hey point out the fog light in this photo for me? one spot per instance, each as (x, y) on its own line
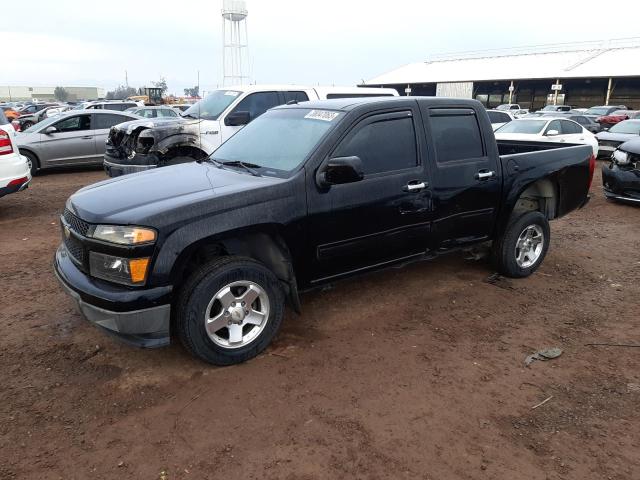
(127, 271)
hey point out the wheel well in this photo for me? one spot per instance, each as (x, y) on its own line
(184, 151)
(267, 247)
(541, 196)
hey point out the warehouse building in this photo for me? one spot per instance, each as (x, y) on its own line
(12, 93)
(579, 74)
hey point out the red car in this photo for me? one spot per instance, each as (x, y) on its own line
(608, 121)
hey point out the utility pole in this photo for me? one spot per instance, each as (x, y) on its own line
(126, 78)
(608, 91)
(198, 83)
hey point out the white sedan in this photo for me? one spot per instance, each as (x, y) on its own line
(544, 129)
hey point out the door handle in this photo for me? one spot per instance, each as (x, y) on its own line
(415, 186)
(485, 175)
(87, 137)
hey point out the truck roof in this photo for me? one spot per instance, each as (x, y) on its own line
(346, 104)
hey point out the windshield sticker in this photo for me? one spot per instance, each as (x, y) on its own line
(231, 93)
(325, 115)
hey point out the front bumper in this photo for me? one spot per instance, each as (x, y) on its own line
(621, 184)
(605, 151)
(117, 170)
(140, 317)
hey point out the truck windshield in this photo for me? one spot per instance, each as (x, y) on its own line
(211, 107)
(523, 126)
(628, 126)
(277, 142)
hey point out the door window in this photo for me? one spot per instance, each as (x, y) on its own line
(383, 146)
(570, 128)
(74, 124)
(456, 135)
(581, 120)
(295, 96)
(146, 113)
(109, 120)
(165, 112)
(554, 125)
(258, 103)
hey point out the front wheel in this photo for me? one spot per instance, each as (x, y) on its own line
(523, 245)
(229, 310)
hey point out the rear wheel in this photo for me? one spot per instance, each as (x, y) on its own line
(26, 124)
(229, 310)
(523, 245)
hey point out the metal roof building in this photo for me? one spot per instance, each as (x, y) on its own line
(586, 74)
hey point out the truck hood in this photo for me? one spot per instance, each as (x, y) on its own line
(145, 198)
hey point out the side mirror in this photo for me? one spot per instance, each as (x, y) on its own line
(50, 130)
(236, 119)
(552, 133)
(340, 170)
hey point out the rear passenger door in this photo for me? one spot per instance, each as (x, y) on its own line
(571, 132)
(466, 184)
(382, 218)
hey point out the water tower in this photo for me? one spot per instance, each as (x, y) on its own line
(235, 57)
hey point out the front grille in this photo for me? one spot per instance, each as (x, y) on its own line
(75, 249)
(76, 224)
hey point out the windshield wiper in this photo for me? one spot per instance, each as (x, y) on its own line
(185, 115)
(249, 167)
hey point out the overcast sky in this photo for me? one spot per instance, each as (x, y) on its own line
(71, 42)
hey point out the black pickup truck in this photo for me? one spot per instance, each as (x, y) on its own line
(305, 195)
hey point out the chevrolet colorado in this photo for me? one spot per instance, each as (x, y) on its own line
(303, 196)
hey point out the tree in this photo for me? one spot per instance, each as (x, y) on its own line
(192, 92)
(161, 84)
(120, 93)
(61, 94)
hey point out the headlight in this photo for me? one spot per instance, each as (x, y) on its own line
(620, 157)
(128, 271)
(124, 235)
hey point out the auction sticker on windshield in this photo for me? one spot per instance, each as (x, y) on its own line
(325, 115)
(231, 93)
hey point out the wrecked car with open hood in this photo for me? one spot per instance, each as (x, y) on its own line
(144, 144)
(621, 178)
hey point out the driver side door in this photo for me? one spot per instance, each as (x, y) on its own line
(72, 142)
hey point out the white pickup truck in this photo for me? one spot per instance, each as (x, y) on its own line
(142, 145)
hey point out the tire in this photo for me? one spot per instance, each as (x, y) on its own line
(34, 164)
(215, 292)
(513, 256)
(27, 124)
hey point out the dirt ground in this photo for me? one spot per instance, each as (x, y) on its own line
(412, 373)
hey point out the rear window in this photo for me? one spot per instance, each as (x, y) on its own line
(456, 134)
(531, 127)
(498, 117)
